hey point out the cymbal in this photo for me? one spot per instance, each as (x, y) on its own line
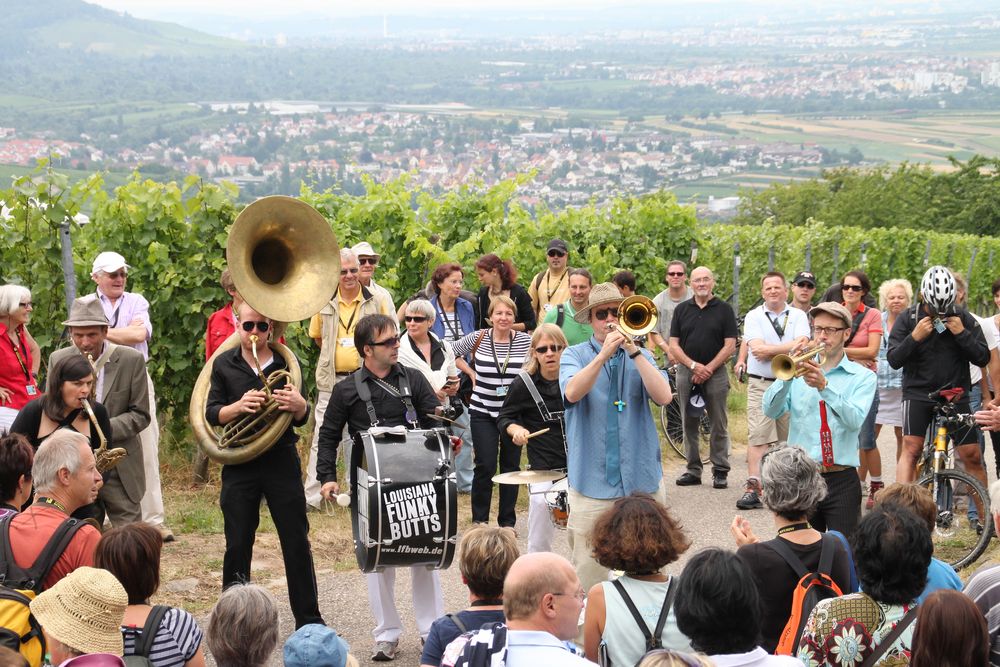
(528, 476)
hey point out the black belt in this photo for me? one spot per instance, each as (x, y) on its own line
(343, 375)
(760, 377)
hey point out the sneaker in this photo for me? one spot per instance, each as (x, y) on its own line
(874, 488)
(384, 651)
(719, 482)
(751, 496)
(688, 479)
(166, 533)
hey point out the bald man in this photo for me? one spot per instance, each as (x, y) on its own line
(703, 336)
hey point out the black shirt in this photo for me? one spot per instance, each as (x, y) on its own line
(546, 451)
(702, 332)
(29, 420)
(940, 360)
(232, 377)
(525, 312)
(347, 408)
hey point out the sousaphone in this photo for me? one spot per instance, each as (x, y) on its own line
(285, 263)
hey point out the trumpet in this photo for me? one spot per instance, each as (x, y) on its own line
(106, 458)
(636, 316)
(787, 367)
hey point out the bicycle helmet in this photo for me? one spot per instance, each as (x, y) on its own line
(938, 289)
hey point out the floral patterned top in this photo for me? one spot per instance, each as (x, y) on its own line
(843, 631)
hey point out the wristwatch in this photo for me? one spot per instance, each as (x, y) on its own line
(693, 364)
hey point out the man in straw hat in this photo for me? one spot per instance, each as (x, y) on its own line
(82, 616)
(120, 386)
(828, 405)
(614, 450)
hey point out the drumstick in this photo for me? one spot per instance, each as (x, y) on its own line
(532, 435)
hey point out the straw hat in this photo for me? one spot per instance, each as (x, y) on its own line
(603, 293)
(84, 611)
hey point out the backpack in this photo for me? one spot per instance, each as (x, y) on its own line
(486, 647)
(653, 639)
(144, 642)
(811, 588)
(19, 630)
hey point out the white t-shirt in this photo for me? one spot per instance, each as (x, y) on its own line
(757, 326)
(990, 334)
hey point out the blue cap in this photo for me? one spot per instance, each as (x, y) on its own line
(315, 645)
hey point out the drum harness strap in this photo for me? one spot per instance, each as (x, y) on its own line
(543, 409)
(403, 393)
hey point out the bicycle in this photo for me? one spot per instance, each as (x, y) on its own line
(958, 540)
(673, 431)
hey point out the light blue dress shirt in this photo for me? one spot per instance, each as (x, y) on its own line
(528, 648)
(848, 394)
(586, 425)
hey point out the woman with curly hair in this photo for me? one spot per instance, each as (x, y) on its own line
(499, 277)
(638, 536)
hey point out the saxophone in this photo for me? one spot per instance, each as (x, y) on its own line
(106, 458)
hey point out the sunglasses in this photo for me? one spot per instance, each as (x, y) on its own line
(544, 349)
(388, 342)
(368, 260)
(852, 288)
(805, 285)
(603, 313)
(415, 318)
(675, 274)
(118, 274)
(344, 272)
(556, 253)
(261, 326)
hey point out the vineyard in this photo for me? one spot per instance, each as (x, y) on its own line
(174, 234)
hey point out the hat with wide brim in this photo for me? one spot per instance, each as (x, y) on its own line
(84, 611)
(365, 249)
(603, 293)
(86, 311)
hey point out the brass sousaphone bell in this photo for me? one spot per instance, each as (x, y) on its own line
(285, 263)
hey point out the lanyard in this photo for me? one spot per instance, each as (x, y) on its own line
(792, 527)
(347, 327)
(20, 360)
(496, 360)
(780, 330)
(452, 327)
(44, 500)
(550, 292)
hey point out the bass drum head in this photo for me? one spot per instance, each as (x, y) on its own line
(404, 508)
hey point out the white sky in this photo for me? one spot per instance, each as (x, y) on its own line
(142, 8)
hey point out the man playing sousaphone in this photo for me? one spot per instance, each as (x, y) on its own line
(377, 342)
(532, 415)
(237, 389)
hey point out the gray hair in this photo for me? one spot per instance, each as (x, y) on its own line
(243, 627)
(792, 484)
(10, 298)
(888, 286)
(60, 450)
(422, 306)
(346, 254)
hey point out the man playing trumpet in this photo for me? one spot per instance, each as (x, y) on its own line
(828, 404)
(276, 474)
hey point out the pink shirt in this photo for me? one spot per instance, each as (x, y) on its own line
(871, 324)
(127, 308)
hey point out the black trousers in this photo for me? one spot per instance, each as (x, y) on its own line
(841, 509)
(276, 476)
(487, 446)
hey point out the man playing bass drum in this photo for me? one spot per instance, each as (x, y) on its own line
(377, 342)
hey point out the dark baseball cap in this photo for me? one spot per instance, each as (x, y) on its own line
(804, 277)
(557, 244)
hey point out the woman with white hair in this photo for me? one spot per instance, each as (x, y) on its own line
(894, 296)
(792, 488)
(243, 627)
(421, 349)
(19, 354)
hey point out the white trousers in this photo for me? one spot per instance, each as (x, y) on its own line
(540, 526)
(152, 500)
(428, 603)
(312, 484)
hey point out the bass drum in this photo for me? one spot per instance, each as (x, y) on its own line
(404, 509)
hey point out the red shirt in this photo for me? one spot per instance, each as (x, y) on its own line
(15, 369)
(30, 531)
(221, 326)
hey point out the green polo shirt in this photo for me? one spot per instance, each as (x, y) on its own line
(575, 332)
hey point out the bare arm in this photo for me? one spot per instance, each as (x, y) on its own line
(869, 353)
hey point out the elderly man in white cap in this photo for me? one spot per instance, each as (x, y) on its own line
(368, 259)
(607, 383)
(129, 324)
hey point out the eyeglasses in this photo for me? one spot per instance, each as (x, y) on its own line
(805, 285)
(261, 326)
(544, 349)
(852, 288)
(25, 304)
(388, 342)
(415, 318)
(368, 260)
(556, 253)
(580, 595)
(118, 274)
(675, 274)
(344, 272)
(829, 331)
(603, 313)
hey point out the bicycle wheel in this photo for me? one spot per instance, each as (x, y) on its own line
(958, 540)
(670, 422)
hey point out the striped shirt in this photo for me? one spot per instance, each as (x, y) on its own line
(495, 364)
(177, 639)
(984, 589)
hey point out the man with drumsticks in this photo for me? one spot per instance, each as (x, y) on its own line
(377, 342)
(614, 450)
(275, 475)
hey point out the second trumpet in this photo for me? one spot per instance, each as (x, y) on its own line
(787, 367)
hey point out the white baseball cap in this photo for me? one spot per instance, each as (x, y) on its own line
(109, 262)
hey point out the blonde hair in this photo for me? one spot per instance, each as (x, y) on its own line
(485, 554)
(888, 286)
(662, 657)
(549, 330)
(502, 299)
